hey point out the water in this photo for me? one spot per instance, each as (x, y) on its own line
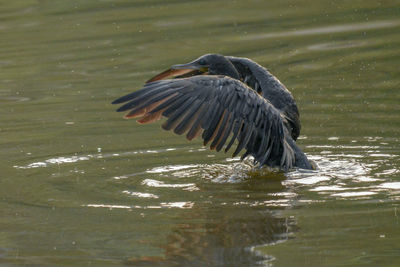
(81, 186)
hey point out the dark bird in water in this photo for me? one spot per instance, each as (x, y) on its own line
(220, 97)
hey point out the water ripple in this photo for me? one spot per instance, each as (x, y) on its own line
(139, 194)
(346, 177)
(76, 158)
(180, 205)
(339, 175)
(156, 183)
(391, 185)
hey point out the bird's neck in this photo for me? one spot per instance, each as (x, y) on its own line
(226, 68)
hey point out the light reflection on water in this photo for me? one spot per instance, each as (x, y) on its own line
(336, 172)
(75, 158)
(180, 205)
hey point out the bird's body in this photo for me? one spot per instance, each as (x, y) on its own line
(221, 97)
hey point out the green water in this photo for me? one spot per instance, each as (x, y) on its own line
(81, 186)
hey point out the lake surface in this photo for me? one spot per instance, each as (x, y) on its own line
(79, 185)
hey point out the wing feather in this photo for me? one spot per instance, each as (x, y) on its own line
(210, 133)
(227, 131)
(237, 126)
(244, 138)
(196, 129)
(219, 107)
(266, 84)
(187, 121)
(221, 130)
(178, 114)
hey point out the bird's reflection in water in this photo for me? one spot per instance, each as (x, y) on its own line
(227, 240)
(225, 233)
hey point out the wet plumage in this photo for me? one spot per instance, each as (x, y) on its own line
(224, 99)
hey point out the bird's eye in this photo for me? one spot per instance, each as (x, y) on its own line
(202, 62)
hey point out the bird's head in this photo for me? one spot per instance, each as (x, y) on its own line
(213, 64)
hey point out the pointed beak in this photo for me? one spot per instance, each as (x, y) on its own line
(192, 65)
(173, 73)
(180, 71)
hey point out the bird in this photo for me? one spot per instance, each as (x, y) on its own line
(224, 98)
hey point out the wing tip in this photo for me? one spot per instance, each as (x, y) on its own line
(127, 117)
(117, 101)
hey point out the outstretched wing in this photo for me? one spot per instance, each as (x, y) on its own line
(219, 107)
(266, 84)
